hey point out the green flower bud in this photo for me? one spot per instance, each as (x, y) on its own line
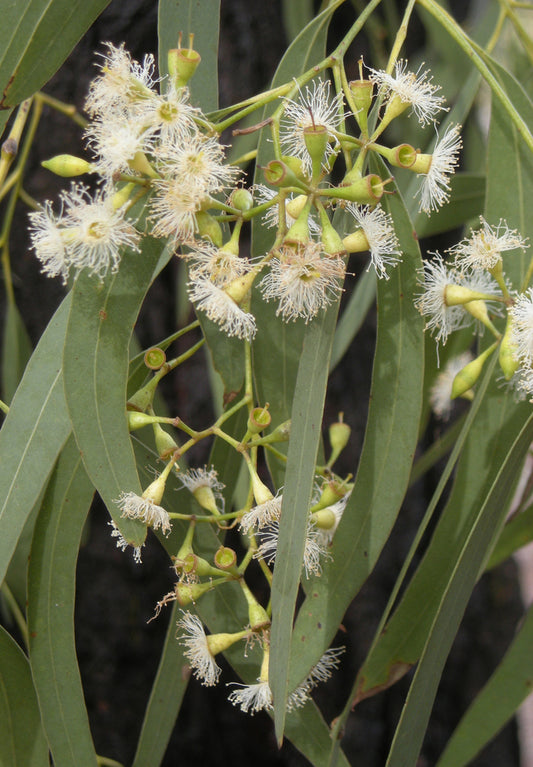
(316, 140)
(241, 199)
(257, 615)
(191, 592)
(362, 92)
(509, 362)
(339, 434)
(467, 377)
(209, 228)
(67, 165)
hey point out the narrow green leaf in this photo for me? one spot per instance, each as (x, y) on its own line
(415, 715)
(95, 363)
(490, 438)
(36, 36)
(51, 596)
(296, 15)
(201, 19)
(22, 741)
(308, 405)
(385, 462)
(505, 691)
(516, 533)
(165, 700)
(16, 351)
(32, 435)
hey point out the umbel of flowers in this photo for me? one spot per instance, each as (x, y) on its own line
(149, 142)
(470, 288)
(152, 148)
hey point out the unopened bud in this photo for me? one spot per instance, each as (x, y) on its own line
(508, 358)
(191, 592)
(67, 165)
(209, 228)
(339, 434)
(316, 140)
(362, 92)
(467, 377)
(241, 199)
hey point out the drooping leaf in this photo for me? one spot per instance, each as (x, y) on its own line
(51, 595)
(415, 715)
(505, 691)
(516, 533)
(95, 363)
(385, 462)
(32, 435)
(36, 36)
(306, 419)
(22, 740)
(165, 700)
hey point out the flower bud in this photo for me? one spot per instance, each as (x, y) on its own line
(191, 592)
(467, 377)
(362, 92)
(67, 165)
(295, 207)
(209, 228)
(316, 140)
(331, 239)
(217, 643)
(509, 362)
(241, 199)
(122, 196)
(324, 519)
(257, 615)
(137, 420)
(261, 492)
(164, 443)
(455, 295)
(356, 242)
(339, 434)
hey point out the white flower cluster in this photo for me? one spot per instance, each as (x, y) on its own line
(470, 288)
(202, 648)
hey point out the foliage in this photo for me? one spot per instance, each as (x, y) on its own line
(336, 170)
